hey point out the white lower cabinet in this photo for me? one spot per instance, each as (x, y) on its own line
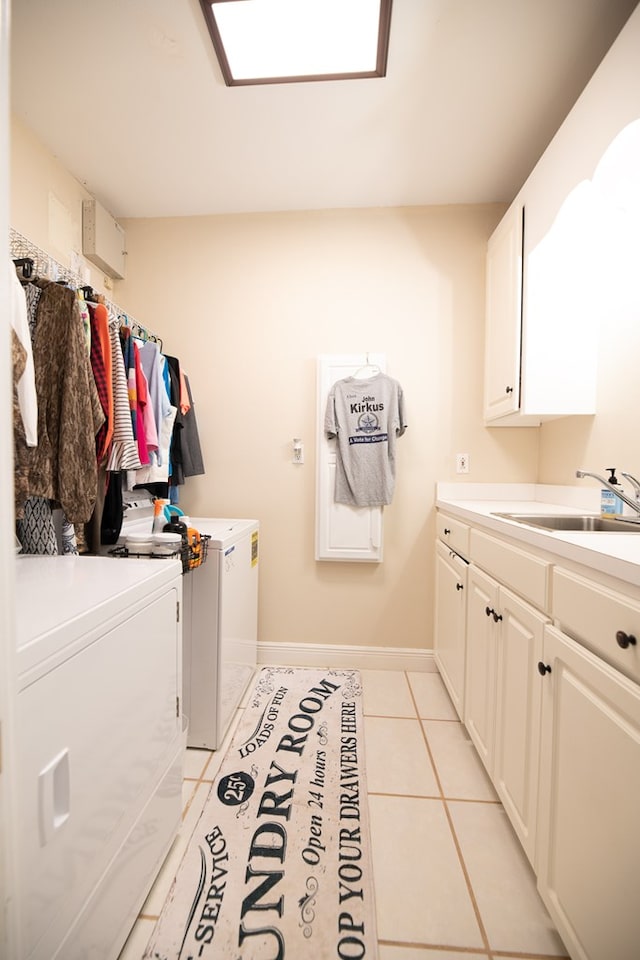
(589, 812)
(450, 621)
(543, 664)
(502, 702)
(518, 716)
(481, 664)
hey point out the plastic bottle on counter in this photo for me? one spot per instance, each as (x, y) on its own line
(176, 525)
(159, 518)
(609, 502)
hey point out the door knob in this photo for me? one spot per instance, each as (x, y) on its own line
(543, 668)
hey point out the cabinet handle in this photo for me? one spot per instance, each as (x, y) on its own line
(543, 668)
(508, 390)
(490, 612)
(459, 586)
(446, 531)
(625, 640)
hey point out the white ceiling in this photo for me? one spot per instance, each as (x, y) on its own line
(129, 96)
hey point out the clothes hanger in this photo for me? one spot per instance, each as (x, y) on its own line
(372, 370)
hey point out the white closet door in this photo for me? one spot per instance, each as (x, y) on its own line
(342, 532)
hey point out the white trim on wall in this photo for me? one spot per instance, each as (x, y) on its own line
(345, 657)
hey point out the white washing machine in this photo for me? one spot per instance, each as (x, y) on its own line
(220, 626)
(100, 747)
(219, 619)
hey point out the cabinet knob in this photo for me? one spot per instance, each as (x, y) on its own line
(446, 531)
(459, 586)
(543, 668)
(508, 390)
(625, 640)
(490, 612)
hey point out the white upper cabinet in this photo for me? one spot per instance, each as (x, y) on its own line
(578, 245)
(503, 317)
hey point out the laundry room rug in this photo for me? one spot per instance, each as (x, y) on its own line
(279, 864)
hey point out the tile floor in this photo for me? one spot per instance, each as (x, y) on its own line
(451, 880)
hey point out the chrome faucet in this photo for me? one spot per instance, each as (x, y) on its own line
(634, 483)
(615, 488)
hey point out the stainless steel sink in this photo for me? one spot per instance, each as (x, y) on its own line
(588, 523)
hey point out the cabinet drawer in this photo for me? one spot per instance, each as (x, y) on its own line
(453, 532)
(594, 615)
(526, 575)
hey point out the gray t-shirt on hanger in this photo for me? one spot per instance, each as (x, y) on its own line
(366, 417)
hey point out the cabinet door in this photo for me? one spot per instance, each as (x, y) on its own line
(589, 838)
(518, 708)
(481, 663)
(450, 622)
(503, 332)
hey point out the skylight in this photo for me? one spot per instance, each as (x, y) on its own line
(287, 41)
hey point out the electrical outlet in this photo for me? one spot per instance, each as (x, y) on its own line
(462, 463)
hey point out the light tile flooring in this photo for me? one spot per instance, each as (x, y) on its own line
(451, 880)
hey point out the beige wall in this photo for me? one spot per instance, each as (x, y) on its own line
(247, 303)
(611, 438)
(46, 202)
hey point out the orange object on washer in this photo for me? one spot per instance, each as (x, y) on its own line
(195, 547)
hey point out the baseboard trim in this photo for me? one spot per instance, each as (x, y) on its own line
(354, 657)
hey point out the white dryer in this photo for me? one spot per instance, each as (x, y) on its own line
(220, 627)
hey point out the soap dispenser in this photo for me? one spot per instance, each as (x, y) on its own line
(609, 502)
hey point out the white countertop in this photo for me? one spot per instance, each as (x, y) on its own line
(614, 554)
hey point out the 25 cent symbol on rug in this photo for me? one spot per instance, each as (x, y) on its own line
(235, 788)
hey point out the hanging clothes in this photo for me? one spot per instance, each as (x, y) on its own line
(36, 528)
(112, 510)
(123, 454)
(147, 431)
(153, 364)
(101, 364)
(126, 344)
(19, 363)
(366, 417)
(26, 385)
(100, 375)
(62, 467)
(176, 471)
(192, 461)
(125, 401)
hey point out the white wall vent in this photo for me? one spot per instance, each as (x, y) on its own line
(103, 239)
